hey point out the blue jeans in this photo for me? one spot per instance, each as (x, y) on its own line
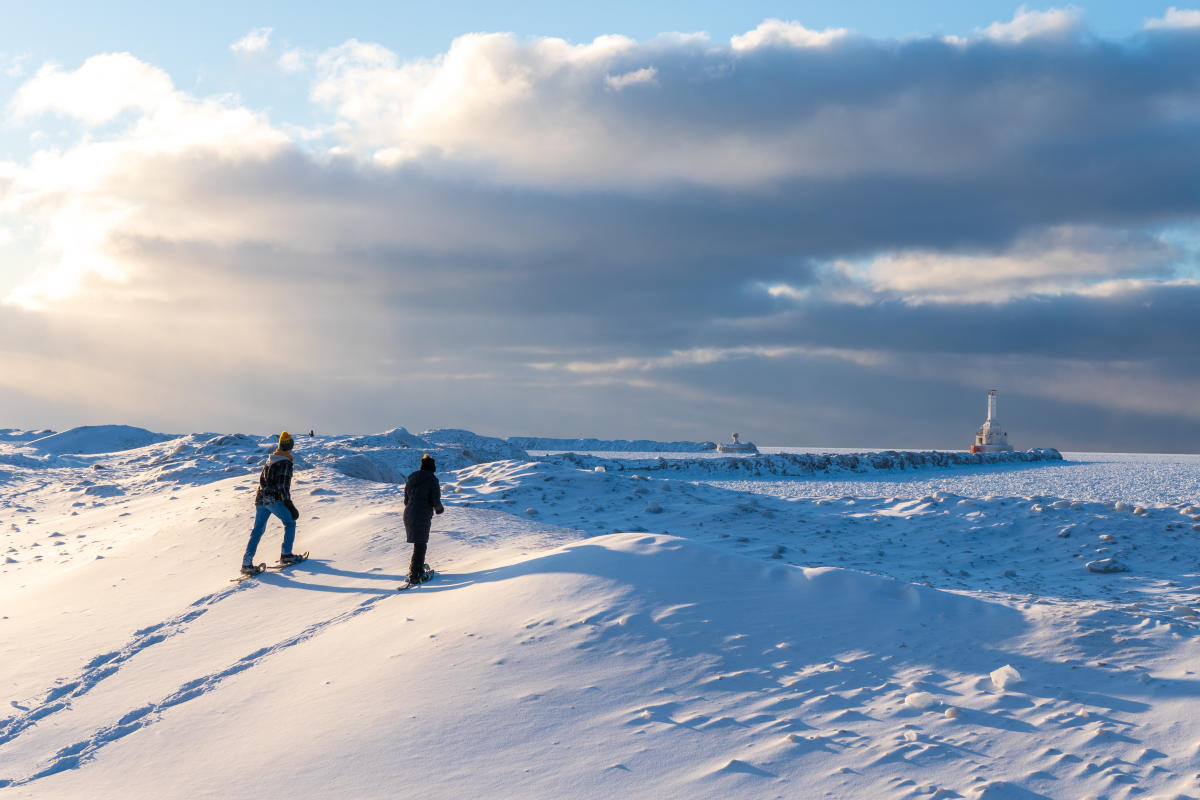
(261, 515)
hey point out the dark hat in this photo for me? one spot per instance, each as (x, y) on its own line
(427, 462)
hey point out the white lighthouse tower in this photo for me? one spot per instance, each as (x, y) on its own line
(990, 438)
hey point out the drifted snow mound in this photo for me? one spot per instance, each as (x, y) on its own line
(203, 457)
(380, 467)
(396, 437)
(390, 457)
(802, 464)
(480, 449)
(611, 445)
(94, 439)
(384, 465)
(859, 609)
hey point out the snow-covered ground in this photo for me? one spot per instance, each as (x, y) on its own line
(890, 634)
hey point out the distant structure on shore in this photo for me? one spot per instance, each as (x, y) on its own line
(990, 438)
(736, 446)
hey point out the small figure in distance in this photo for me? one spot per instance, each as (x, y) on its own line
(422, 499)
(274, 497)
(311, 434)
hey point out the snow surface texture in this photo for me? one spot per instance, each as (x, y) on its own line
(802, 464)
(594, 633)
(610, 445)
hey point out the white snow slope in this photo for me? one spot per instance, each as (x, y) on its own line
(589, 634)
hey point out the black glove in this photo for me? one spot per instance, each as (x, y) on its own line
(439, 508)
(292, 508)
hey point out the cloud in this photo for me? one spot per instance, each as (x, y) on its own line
(1056, 23)
(777, 33)
(294, 60)
(104, 87)
(1049, 261)
(1175, 19)
(88, 197)
(542, 113)
(713, 355)
(688, 232)
(255, 42)
(618, 82)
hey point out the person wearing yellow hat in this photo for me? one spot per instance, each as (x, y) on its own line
(274, 497)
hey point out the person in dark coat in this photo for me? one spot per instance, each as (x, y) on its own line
(274, 497)
(422, 499)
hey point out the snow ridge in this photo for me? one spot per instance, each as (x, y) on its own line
(806, 463)
(90, 439)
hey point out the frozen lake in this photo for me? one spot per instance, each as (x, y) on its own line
(1141, 478)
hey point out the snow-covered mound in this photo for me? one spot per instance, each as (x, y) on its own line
(146, 458)
(391, 457)
(801, 464)
(473, 447)
(610, 445)
(396, 437)
(93, 439)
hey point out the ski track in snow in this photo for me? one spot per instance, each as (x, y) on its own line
(77, 754)
(106, 665)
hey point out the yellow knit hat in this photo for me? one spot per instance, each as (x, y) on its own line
(285, 441)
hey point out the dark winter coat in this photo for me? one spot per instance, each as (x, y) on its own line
(422, 498)
(275, 482)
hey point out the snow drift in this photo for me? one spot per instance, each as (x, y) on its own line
(92, 439)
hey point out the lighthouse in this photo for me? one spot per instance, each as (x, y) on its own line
(990, 438)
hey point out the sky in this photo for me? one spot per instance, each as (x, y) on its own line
(821, 224)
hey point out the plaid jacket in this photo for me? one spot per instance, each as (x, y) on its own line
(275, 482)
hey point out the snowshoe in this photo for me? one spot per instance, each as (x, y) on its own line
(249, 571)
(288, 559)
(416, 580)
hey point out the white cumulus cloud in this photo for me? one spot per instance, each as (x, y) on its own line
(255, 42)
(101, 89)
(1174, 19)
(779, 33)
(1027, 24)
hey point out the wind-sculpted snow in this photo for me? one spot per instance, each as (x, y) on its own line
(396, 437)
(92, 439)
(610, 445)
(382, 460)
(201, 458)
(479, 449)
(801, 464)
